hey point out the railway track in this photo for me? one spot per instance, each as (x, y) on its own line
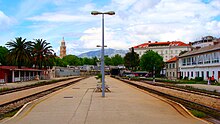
(211, 112)
(31, 86)
(183, 88)
(15, 104)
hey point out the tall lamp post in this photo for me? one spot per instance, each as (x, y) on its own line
(102, 51)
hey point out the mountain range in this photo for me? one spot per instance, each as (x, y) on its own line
(110, 52)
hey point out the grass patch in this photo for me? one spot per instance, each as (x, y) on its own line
(4, 89)
(198, 114)
(9, 114)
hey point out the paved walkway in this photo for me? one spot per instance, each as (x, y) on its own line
(79, 104)
(21, 84)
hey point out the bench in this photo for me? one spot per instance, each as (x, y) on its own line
(99, 88)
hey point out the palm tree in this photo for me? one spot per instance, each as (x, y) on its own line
(19, 51)
(42, 53)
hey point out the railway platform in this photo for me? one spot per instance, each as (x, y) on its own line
(80, 104)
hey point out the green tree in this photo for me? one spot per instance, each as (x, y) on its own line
(87, 61)
(3, 54)
(117, 60)
(94, 60)
(72, 60)
(42, 53)
(131, 60)
(151, 59)
(108, 60)
(19, 51)
(59, 62)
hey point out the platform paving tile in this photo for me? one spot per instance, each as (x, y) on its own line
(79, 104)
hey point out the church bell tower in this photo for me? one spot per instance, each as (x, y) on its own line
(62, 49)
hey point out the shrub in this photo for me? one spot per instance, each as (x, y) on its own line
(99, 76)
(199, 79)
(198, 114)
(186, 78)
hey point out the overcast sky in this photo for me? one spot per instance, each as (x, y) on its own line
(135, 22)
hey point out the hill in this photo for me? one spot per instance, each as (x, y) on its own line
(110, 52)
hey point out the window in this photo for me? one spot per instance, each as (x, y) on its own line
(173, 74)
(183, 62)
(200, 59)
(176, 51)
(207, 74)
(188, 61)
(166, 51)
(192, 74)
(171, 51)
(173, 65)
(216, 57)
(194, 59)
(207, 58)
(161, 52)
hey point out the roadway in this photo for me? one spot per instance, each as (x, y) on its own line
(79, 104)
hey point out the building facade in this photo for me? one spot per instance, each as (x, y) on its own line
(15, 74)
(167, 49)
(62, 49)
(205, 41)
(172, 68)
(203, 62)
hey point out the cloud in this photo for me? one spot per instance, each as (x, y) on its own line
(60, 17)
(156, 20)
(5, 21)
(135, 22)
(92, 38)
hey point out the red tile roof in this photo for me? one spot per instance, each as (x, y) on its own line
(168, 43)
(16, 68)
(174, 59)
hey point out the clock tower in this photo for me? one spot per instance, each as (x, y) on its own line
(62, 49)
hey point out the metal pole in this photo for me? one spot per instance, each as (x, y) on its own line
(154, 74)
(102, 60)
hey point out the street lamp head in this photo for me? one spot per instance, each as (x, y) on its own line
(95, 12)
(110, 13)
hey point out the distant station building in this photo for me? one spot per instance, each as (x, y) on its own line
(62, 48)
(15, 74)
(167, 49)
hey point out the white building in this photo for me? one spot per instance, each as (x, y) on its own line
(205, 41)
(203, 62)
(167, 49)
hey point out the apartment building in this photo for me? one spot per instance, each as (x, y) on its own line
(172, 68)
(167, 49)
(203, 62)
